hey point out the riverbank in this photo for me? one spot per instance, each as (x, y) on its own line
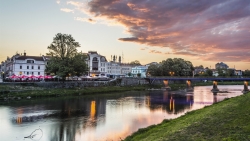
(13, 92)
(22, 91)
(226, 120)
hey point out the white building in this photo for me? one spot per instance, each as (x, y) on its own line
(126, 69)
(24, 65)
(139, 70)
(96, 63)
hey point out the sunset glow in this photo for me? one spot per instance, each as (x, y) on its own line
(204, 32)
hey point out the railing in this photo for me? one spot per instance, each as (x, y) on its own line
(198, 77)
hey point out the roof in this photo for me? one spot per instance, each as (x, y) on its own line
(37, 58)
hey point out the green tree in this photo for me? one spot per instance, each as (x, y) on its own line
(246, 73)
(209, 72)
(230, 72)
(129, 74)
(65, 60)
(153, 70)
(172, 67)
(135, 63)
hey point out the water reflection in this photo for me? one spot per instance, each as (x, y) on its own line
(104, 117)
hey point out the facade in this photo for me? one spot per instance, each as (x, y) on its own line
(126, 69)
(221, 65)
(97, 64)
(238, 72)
(139, 69)
(24, 65)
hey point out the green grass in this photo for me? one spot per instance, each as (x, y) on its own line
(37, 92)
(227, 121)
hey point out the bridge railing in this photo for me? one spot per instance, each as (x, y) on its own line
(198, 77)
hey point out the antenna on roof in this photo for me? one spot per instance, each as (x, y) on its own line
(122, 57)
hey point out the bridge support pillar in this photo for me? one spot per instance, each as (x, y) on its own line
(245, 87)
(189, 86)
(215, 89)
(166, 85)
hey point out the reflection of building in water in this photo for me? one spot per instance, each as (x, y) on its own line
(92, 110)
(148, 101)
(19, 116)
(170, 102)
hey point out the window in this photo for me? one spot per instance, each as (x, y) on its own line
(39, 67)
(27, 73)
(20, 67)
(30, 61)
(32, 73)
(32, 67)
(27, 67)
(38, 73)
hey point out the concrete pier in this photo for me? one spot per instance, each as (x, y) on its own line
(189, 85)
(246, 90)
(215, 88)
(166, 85)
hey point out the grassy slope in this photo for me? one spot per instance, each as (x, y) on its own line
(226, 120)
(41, 92)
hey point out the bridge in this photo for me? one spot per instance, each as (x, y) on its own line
(190, 79)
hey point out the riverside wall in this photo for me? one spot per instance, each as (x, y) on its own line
(82, 84)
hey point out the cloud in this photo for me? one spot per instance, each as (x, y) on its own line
(85, 20)
(202, 28)
(58, 2)
(155, 51)
(67, 10)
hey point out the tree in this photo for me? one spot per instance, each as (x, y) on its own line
(153, 70)
(247, 73)
(129, 74)
(65, 60)
(209, 72)
(172, 67)
(135, 63)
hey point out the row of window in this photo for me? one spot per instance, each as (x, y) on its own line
(138, 71)
(113, 67)
(28, 73)
(28, 67)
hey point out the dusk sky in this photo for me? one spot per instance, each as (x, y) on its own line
(202, 31)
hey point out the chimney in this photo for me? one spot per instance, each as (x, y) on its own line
(24, 54)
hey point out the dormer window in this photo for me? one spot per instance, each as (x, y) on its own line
(30, 61)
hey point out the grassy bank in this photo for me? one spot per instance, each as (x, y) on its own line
(227, 120)
(13, 92)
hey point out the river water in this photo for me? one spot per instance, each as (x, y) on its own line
(103, 117)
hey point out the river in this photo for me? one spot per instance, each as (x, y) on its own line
(103, 117)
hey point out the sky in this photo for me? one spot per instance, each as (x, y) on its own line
(204, 32)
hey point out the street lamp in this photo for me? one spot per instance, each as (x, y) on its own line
(171, 73)
(2, 75)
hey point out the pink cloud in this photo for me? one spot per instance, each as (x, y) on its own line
(207, 29)
(155, 51)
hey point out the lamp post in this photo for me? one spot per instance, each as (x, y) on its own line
(171, 73)
(2, 75)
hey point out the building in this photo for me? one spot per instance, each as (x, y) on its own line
(97, 64)
(221, 65)
(24, 65)
(238, 72)
(126, 69)
(139, 70)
